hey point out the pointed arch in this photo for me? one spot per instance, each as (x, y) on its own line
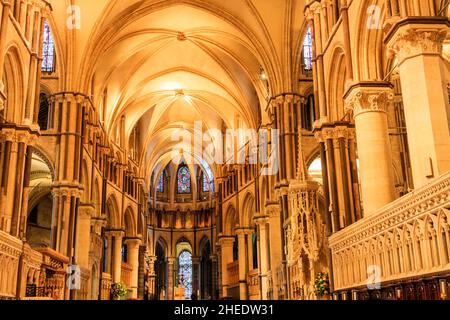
(14, 86)
(130, 223)
(113, 213)
(336, 85)
(248, 210)
(231, 220)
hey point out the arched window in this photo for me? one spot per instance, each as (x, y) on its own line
(255, 250)
(185, 272)
(206, 187)
(209, 176)
(315, 170)
(48, 50)
(184, 180)
(160, 187)
(309, 114)
(235, 249)
(307, 53)
(105, 254)
(43, 112)
(124, 253)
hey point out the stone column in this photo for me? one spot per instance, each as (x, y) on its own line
(85, 213)
(151, 277)
(369, 102)
(9, 172)
(170, 278)
(109, 253)
(243, 268)
(117, 256)
(418, 46)
(64, 221)
(263, 242)
(133, 260)
(313, 14)
(226, 249)
(249, 234)
(214, 277)
(196, 277)
(273, 211)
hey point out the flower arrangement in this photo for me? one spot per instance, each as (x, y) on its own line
(322, 285)
(119, 290)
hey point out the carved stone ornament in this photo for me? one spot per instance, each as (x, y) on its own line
(366, 99)
(413, 40)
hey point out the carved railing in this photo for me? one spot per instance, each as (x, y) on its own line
(105, 287)
(183, 219)
(253, 285)
(233, 273)
(125, 276)
(281, 282)
(10, 251)
(409, 238)
(55, 266)
(83, 292)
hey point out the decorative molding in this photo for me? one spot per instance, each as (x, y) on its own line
(406, 209)
(369, 97)
(412, 37)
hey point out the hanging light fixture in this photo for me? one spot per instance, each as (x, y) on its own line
(262, 74)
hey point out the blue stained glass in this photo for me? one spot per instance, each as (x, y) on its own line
(185, 272)
(210, 176)
(205, 183)
(48, 50)
(308, 51)
(184, 180)
(160, 187)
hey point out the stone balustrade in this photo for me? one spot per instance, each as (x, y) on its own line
(127, 269)
(183, 220)
(253, 285)
(233, 273)
(405, 240)
(105, 293)
(10, 251)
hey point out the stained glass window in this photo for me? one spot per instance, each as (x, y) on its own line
(308, 51)
(255, 250)
(48, 50)
(205, 183)
(124, 253)
(185, 272)
(105, 252)
(184, 180)
(209, 176)
(160, 187)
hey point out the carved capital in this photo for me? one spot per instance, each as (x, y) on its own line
(261, 220)
(369, 98)
(315, 7)
(115, 233)
(242, 232)
(86, 211)
(414, 39)
(273, 210)
(225, 241)
(133, 243)
(279, 101)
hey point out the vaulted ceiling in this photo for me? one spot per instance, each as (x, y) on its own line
(162, 65)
